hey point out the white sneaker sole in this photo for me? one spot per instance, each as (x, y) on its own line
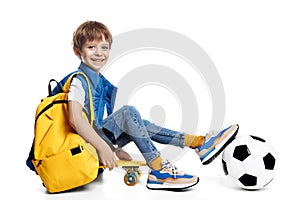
(172, 186)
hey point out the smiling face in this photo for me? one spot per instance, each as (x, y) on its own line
(94, 54)
(91, 44)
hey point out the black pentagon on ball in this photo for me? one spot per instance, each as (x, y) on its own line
(224, 167)
(241, 152)
(269, 161)
(248, 180)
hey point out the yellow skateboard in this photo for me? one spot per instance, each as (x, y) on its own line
(132, 168)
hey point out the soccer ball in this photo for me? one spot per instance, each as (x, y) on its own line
(249, 161)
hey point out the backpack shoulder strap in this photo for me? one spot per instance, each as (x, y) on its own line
(91, 105)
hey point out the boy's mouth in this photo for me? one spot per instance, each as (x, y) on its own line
(97, 60)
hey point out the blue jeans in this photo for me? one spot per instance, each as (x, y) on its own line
(126, 125)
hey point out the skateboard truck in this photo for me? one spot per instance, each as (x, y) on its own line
(132, 168)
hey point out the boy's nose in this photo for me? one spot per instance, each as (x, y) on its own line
(98, 51)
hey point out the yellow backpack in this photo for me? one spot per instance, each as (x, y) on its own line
(62, 158)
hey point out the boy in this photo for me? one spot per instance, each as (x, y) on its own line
(91, 44)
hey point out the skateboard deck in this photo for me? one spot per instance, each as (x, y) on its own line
(132, 169)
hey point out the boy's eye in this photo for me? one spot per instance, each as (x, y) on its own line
(91, 47)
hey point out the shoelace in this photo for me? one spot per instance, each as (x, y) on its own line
(174, 169)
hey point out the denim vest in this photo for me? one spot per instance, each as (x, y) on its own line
(103, 92)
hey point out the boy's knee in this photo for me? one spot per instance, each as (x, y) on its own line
(130, 109)
(131, 112)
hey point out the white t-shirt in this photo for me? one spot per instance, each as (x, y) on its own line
(76, 92)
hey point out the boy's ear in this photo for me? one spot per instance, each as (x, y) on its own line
(77, 53)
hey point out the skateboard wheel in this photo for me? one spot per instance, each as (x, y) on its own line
(130, 179)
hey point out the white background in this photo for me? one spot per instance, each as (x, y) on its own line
(255, 46)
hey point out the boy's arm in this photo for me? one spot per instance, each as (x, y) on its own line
(85, 130)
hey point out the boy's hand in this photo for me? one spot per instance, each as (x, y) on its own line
(122, 155)
(107, 156)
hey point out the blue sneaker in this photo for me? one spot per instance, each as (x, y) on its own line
(170, 178)
(214, 144)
